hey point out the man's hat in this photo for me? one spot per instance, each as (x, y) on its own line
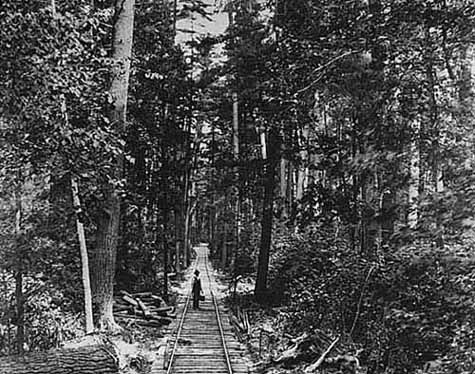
(197, 272)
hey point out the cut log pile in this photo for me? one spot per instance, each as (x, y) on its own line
(143, 309)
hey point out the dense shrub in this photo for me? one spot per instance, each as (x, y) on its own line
(405, 306)
(49, 318)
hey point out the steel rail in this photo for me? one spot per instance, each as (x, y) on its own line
(218, 317)
(180, 327)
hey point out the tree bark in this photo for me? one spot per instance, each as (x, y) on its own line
(414, 169)
(19, 296)
(165, 253)
(283, 178)
(108, 224)
(284, 185)
(20, 308)
(178, 221)
(224, 254)
(85, 360)
(186, 203)
(303, 167)
(187, 234)
(262, 138)
(387, 216)
(84, 257)
(267, 219)
(465, 84)
(237, 193)
(236, 159)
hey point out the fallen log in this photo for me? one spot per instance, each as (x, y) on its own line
(130, 300)
(140, 322)
(143, 308)
(163, 311)
(320, 360)
(158, 319)
(122, 308)
(303, 348)
(147, 300)
(125, 293)
(130, 312)
(142, 294)
(162, 320)
(84, 360)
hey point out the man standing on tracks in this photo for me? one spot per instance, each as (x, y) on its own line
(196, 290)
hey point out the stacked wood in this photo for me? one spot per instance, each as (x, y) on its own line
(142, 309)
(84, 360)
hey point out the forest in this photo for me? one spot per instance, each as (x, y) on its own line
(323, 149)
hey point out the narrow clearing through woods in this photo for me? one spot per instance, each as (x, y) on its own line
(202, 342)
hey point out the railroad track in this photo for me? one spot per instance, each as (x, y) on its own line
(203, 342)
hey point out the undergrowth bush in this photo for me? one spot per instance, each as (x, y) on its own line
(49, 319)
(404, 306)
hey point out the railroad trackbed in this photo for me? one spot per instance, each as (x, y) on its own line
(202, 341)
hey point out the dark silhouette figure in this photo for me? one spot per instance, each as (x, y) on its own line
(196, 290)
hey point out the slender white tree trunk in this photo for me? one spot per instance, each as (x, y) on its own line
(84, 257)
(262, 136)
(415, 173)
(303, 167)
(283, 178)
(82, 240)
(19, 295)
(236, 169)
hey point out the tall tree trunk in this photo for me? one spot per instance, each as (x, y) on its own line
(212, 224)
(82, 240)
(387, 214)
(108, 224)
(283, 184)
(283, 180)
(84, 257)
(237, 220)
(303, 168)
(178, 222)
(236, 152)
(224, 253)
(465, 83)
(415, 175)
(186, 218)
(267, 220)
(436, 167)
(290, 188)
(214, 212)
(165, 252)
(262, 138)
(187, 234)
(190, 191)
(19, 296)
(20, 308)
